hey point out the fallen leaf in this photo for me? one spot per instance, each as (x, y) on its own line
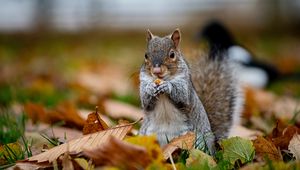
(284, 108)
(90, 141)
(61, 133)
(186, 141)
(117, 110)
(253, 166)
(241, 131)
(120, 154)
(259, 101)
(11, 150)
(67, 162)
(237, 148)
(151, 145)
(197, 156)
(105, 79)
(277, 131)
(65, 111)
(36, 112)
(266, 149)
(30, 166)
(294, 146)
(84, 114)
(94, 123)
(261, 124)
(153, 150)
(274, 165)
(287, 134)
(251, 105)
(84, 164)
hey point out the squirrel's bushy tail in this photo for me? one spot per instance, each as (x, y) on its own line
(219, 91)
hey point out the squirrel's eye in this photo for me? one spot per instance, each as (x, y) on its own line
(146, 56)
(172, 55)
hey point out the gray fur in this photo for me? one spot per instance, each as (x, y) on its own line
(218, 89)
(174, 108)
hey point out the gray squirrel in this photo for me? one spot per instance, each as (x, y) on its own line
(175, 100)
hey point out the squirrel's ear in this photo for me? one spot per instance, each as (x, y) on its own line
(149, 35)
(176, 37)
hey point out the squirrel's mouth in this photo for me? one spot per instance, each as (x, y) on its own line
(160, 76)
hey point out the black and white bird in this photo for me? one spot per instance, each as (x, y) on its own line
(249, 70)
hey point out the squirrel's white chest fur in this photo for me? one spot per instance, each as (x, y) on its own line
(166, 121)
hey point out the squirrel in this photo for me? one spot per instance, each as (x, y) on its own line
(176, 99)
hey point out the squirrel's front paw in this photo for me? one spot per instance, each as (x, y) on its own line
(151, 89)
(164, 87)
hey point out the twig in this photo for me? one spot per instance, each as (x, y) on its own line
(172, 161)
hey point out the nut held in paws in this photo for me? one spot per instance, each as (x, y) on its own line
(158, 81)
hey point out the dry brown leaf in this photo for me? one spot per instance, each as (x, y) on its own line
(265, 148)
(117, 110)
(67, 162)
(30, 166)
(106, 78)
(260, 123)
(36, 112)
(90, 141)
(251, 106)
(65, 111)
(294, 146)
(260, 101)
(284, 108)
(84, 114)
(287, 134)
(277, 131)
(58, 131)
(69, 114)
(120, 154)
(256, 101)
(186, 141)
(238, 130)
(94, 123)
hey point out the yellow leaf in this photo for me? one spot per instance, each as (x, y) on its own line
(84, 164)
(197, 156)
(151, 145)
(10, 150)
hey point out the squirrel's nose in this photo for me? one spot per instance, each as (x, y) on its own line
(156, 70)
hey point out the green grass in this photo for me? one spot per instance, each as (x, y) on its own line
(12, 126)
(46, 95)
(13, 145)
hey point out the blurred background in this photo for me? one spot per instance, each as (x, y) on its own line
(86, 51)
